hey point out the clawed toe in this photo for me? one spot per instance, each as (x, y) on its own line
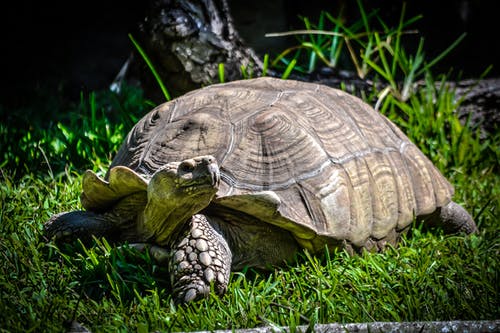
(191, 292)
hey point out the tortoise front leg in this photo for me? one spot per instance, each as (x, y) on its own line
(201, 257)
(118, 223)
(69, 226)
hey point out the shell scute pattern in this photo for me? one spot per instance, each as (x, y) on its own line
(340, 169)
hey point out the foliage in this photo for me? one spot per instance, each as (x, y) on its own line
(88, 132)
(428, 277)
(369, 46)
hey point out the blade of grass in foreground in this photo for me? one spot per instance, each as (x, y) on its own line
(151, 67)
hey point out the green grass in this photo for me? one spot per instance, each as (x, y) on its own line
(85, 133)
(368, 46)
(429, 276)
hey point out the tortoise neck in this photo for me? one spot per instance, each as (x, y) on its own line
(162, 223)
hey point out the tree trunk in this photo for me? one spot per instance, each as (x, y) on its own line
(187, 42)
(481, 102)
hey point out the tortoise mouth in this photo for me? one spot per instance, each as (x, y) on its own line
(196, 190)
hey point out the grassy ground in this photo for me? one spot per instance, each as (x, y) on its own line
(429, 276)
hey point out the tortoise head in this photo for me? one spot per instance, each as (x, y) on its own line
(177, 191)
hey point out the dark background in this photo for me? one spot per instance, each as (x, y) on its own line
(66, 47)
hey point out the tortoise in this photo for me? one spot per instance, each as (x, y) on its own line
(248, 173)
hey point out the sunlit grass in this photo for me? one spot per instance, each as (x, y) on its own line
(428, 277)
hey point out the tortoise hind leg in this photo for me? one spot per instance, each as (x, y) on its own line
(200, 259)
(453, 218)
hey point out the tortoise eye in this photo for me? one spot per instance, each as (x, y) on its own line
(186, 166)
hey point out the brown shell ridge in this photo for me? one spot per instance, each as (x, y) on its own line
(445, 188)
(231, 145)
(352, 228)
(384, 195)
(145, 164)
(234, 135)
(136, 145)
(442, 190)
(405, 192)
(314, 213)
(232, 182)
(305, 125)
(422, 184)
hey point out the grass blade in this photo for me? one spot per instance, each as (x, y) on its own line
(443, 54)
(151, 67)
(289, 69)
(221, 73)
(265, 64)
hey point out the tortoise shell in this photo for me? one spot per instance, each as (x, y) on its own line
(342, 171)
